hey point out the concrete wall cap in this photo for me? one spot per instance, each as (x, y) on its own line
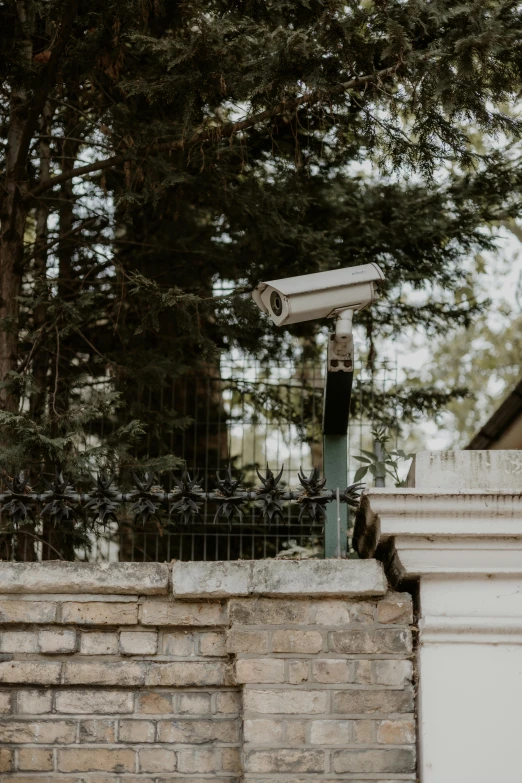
(484, 470)
(278, 578)
(93, 578)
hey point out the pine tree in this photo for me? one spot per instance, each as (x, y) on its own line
(150, 151)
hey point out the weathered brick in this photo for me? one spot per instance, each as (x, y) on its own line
(212, 644)
(330, 670)
(85, 702)
(285, 702)
(157, 760)
(298, 672)
(93, 643)
(135, 643)
(260, 670)
(268, 611)
(6, 760)
(374, 761)
(263, 731)
(123, 673)
(35, 759)
(155, 703)
(186, 673)
(394, 673)
(395, 608)
(283, 760)
(100, 613)
(96, 759)
(176, 778)
(197, 731)
(364, 731)
(352, 642)
(101, 731)
(195, 703)
(291, 723)
(363, 672)
(396, 732)
(137, 731)
(296, 731)
(180, 643)
(34, 702)
(231, 760)
(228, 702)
(390, 640)
(182, 613)
(356, 702)
(28, 612)
(198, 760)
(362, 612)
(247, 641)
(18, 642)
(331, 732)
(30, 672)
(42, 732)
(332, 612)
(5, 702)
(38, 778)
(58, 641)
(295, 641)
(380, 640)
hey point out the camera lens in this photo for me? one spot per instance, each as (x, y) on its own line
(276, 304)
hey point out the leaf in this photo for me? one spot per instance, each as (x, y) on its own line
(360, 473)
(371, 454)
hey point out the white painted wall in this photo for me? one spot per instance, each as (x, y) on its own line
(471, 713)
(458, 529)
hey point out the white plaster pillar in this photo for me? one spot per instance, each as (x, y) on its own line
(457, 528)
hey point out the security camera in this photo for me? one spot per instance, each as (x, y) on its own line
(320, 295)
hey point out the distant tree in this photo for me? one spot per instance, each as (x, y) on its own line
(485, 359)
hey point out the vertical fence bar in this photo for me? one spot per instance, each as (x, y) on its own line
(336, 470)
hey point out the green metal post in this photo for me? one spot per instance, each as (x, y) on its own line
(335, 462)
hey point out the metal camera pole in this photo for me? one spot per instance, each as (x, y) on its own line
(337, 395)
(336, 293)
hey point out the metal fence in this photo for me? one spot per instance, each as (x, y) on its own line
(76, 514)
(241, 414)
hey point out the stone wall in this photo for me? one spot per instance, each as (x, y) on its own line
(256, 672)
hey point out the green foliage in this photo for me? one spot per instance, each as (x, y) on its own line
(381, 462)
(485, 358)
(227, 143)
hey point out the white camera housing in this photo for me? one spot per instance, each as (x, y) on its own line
(320, 295)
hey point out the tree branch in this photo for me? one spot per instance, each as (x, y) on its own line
(215, 133)
(46, 85)
(49, 245)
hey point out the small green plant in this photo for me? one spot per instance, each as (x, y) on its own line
(385, 463)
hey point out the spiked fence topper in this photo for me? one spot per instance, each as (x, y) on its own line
(270, 495)
(189, 501)
(62, 503)
(103, 500)
(61, 506)
(233, 497)
(313, 502)
(147, 499)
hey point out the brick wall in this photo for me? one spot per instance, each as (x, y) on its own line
(286, 672)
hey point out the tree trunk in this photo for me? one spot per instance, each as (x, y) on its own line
(62, 540)
(41, 357)
(13, 219)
